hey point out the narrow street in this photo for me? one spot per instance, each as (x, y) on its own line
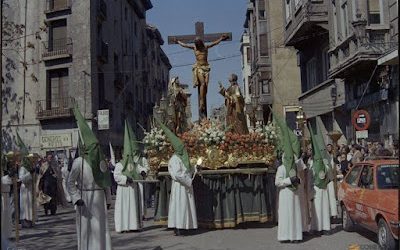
(58, 232)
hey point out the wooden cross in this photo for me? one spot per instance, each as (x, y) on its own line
(199, 28)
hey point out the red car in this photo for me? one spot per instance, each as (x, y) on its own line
(369, 196)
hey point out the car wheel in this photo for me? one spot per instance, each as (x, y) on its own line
(385, 237)
(347, 222)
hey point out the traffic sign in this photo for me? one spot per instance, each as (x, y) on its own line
(361, 120)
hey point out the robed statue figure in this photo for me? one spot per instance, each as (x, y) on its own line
(234, 102)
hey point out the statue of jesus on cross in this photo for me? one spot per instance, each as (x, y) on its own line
(201, 68)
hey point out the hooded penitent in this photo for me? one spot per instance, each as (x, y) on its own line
(289, 144)
(131, 153)
(91, 152)
(320, 176)
(177, 144)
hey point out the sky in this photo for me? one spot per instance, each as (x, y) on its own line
(177, 17)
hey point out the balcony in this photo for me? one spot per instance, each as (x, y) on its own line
(101, 10)
(57, 5)
(358, 54)
(102, 51)
(308, 17)
(56, 49)
(53, 109)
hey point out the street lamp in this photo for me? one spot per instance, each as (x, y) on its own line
(301, 121)
(254, 111)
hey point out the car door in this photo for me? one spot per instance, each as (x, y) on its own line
(365, 204)
(351, 181)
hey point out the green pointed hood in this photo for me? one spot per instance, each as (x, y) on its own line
(91, 151)
(320, 174)
(26, 163)
(289, 144)
(130, 150)
(321, 143)
(177, 144)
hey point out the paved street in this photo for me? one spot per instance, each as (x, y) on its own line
(58, 232)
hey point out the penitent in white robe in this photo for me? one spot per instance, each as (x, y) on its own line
(331, 193)
(182, 209)
(65, 174)
(6, 225)
(290, 224)
(25, 199)
(91, 218)
(144, 166)
(128, 203)
(321, 216)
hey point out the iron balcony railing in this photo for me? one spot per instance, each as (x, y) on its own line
(54, 108)
(57, 47)
(57, 5)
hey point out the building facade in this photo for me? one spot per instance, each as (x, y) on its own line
(246, 69)
(339, 43)
(361, 34)
(274, 77)
(66, 56)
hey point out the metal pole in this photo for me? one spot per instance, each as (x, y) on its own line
(1, 95)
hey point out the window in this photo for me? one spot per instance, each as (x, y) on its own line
(366, 180)
(265, 87)
(345, 19)
(261, 9)
(374, 12)
(249, 82)
(58, 35)
(352, 177)
(57, 88)
(311, 69)
(248, 54)
(388, 176)
(288, 10)
(335, 23)
(263, 45)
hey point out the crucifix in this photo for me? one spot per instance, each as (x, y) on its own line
(201, 68)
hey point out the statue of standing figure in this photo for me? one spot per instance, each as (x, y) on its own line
(178, 99)
(234, 102)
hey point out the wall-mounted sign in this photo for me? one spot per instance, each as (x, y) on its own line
(56, 141)
(361, 120)
(362, 134)
(103, 119)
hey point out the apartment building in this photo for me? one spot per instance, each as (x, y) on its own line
(91, 53)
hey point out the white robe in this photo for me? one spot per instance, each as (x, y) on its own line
(321, 214)
(331, 194)
(290, 224)
(6, 222)
(143, 167)
(182, 209)
(91, 218)
(65, 174)
(128, 203)
(25, 199)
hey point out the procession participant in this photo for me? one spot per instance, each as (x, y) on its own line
(321, 212)
(290, 222)
(47, 184)
(6, 221)
(65, 174)
(182, 209)
(92, 175)
(128, 202)
(25, 199)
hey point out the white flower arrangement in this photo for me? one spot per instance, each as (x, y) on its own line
(214, 135)
(269, 132)
(155, 139)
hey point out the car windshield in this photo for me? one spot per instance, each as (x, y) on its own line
(388, 176)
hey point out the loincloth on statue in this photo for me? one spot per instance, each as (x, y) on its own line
(204, 70)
